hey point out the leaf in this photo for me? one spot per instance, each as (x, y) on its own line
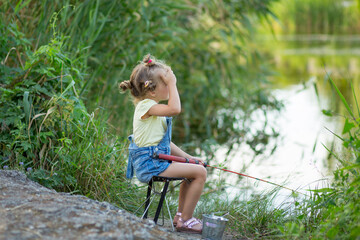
(21, 5)
(316, 89)
(36, 116)
(64, 58)
(350, 167)
(333, 231)
(71, 84)
(41, 153)
(354, 95)
(348, 126)
(26, 145)
(43, 90)
(322, 190)
(355, 232)
(342, 139)
(27, 105)
(49, 111)
(327, 112)
(342, 98)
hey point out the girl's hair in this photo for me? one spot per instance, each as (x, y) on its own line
(143, 77)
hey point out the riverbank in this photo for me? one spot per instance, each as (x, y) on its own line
(30, 211)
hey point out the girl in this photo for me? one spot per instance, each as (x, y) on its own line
(150, 82)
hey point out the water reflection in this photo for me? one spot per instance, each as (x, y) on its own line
(300, 160)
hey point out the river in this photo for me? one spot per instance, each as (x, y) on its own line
(300, 160)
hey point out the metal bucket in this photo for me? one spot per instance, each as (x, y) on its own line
(213, 227)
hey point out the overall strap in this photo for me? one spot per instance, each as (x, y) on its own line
(130, 167)
(167, 136)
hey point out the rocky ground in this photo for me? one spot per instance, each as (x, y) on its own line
(31, 211)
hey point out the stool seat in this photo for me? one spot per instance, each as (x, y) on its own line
(151, 191)
(165, 179)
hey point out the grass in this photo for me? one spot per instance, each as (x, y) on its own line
(107, 38)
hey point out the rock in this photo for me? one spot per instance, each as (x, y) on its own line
(31, 211)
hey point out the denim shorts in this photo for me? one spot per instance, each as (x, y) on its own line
(145, 165)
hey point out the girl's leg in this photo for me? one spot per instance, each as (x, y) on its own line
(182, 195)
(190, 194)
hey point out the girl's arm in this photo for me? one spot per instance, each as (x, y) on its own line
(173, 107)
(176, 151)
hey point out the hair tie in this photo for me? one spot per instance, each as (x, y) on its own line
(146, 84)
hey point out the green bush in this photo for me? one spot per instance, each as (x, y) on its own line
(45, 128)
(204, 42)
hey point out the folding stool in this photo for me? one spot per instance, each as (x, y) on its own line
(151, 192)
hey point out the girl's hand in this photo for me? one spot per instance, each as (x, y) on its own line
(199, 159)
(168, 77)
(173, 106)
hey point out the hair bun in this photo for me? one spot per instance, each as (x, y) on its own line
(148, 61)
(125, 85)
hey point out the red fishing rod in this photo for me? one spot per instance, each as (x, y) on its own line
(194, 161)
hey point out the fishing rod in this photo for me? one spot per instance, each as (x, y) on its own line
(194, 161)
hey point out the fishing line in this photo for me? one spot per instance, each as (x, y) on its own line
(193, 161)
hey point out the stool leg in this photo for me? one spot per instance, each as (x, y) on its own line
(148, 198)
(172, 225)
(163, 193)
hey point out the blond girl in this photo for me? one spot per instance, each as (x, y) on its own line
(151, 82)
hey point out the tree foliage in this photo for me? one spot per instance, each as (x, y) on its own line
(62, 60)
(221, 81)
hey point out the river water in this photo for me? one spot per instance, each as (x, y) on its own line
(300, 161)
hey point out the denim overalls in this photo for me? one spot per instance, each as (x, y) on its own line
(141, 158)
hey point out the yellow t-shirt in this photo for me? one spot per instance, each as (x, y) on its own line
(149, 131)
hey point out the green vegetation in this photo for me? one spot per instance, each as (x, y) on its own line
(61, 62)
(45, 127)
(318, 17)
(66, 57)
(326, 213)
(333, 213)
(214, 66)
(64, 123)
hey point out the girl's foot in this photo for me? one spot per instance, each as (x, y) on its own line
(192, 225)
(176, 218)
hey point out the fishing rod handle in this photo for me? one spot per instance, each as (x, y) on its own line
(177, 159)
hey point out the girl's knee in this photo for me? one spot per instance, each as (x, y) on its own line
(202, 173)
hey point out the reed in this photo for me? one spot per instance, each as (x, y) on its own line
(58, 83)
(319, 16)
(205, 44)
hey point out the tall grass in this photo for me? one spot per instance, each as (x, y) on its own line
(61, 61)
(333, 212)
(204, 43)
(47, 131)
(319, 16)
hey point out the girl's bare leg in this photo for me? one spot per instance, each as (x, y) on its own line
(182, 195)
(190, 193)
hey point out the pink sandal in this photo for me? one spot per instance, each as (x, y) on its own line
(176, 218)
(188, 226)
